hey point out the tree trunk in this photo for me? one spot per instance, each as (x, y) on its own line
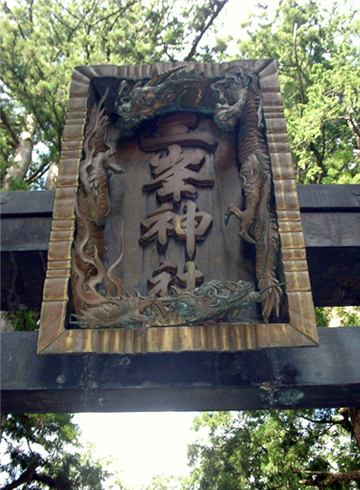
(52, 176)
(355, 422)
(355, 128)
(6, 325)
(23, 154)
(26, 477)
(325, 479)
(3, 419)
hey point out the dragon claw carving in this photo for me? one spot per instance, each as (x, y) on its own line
(246, 219)
(235, 101)
(270, 297)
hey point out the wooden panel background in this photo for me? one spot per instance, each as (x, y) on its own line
(300, 330)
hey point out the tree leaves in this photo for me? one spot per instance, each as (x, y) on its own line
(43, 41)
(272, 449)
(318, 55)
(41, 451)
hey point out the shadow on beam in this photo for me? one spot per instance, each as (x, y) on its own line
(330, 217)
(284, 378)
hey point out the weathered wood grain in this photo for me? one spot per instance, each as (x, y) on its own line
(325, 376)
(333, 252)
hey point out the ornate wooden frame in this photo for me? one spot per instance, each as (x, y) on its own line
(299, 330)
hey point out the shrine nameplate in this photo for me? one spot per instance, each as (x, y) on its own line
(176, 224)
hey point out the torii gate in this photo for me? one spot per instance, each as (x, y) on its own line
(199, 377)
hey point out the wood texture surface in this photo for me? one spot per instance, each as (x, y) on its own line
(333, 260)
(283, 378)
(250, 333)
(224, 337)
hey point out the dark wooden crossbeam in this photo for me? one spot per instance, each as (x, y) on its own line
(331, 222)
(324, 376)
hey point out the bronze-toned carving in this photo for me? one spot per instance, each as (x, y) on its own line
(92, 207)
(164, 93)
(257, 224)
(191, 277)
(163, 279)
(138, 223)
(159, 224)
(176, 174)
(233, 89)
(195, 225)
(211, 301)
(181, 151)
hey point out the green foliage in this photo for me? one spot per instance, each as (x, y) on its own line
(162, 482)
(272, 449)
(19, 185)
(322, 317)
(350, 316)
(318, 55)
(23, 321)
(42, 451)
(317, 51)
(43, 41)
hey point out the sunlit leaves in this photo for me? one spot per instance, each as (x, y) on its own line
(44, 451)
(318, 54)
(43, 41)
(267, 450)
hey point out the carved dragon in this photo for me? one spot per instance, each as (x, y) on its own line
(233, 90)
(209, 303)
(100, 297)
(95, 169)
(154, 97)
(104, 300)
(92, 200)
(257, 224)
(212, 301)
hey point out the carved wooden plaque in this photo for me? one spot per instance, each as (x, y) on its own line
(176, 224)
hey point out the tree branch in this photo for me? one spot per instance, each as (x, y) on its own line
(319, 161)
(39, 172)
(72, 30)
(298, 67)
(22, 158)
(56, 483)
(63, 6)
(17, 23)
(343, 422)
(323, 479)
(117, 12)
(27, 476)
(204, 28)
(352, 417)
(5, 120)
(322, 421)
(355, 128)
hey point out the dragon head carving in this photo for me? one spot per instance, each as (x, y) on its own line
(145, 100)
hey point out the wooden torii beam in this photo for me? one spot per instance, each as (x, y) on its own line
(327, 376)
